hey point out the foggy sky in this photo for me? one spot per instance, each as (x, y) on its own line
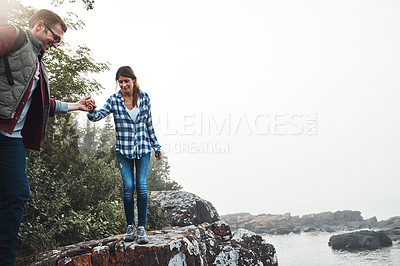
(264, 106)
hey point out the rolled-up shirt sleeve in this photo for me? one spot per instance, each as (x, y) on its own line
(57, 107)
(61, 107)
(97, 115)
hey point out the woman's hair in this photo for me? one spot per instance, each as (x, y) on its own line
(126, 71)
(48, 17)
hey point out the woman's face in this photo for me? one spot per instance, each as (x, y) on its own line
(126, 84)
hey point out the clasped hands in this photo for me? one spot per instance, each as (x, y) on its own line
(84, 104)
(90, 104)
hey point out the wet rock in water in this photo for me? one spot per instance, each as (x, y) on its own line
(205, 244)
(251, 248)
(361, 240)
(184, 208)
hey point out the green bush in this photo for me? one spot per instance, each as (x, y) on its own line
(156, 219)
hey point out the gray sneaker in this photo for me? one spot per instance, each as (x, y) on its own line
(141, 236)
(130, 233)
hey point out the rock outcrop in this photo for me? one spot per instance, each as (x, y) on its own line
(205, 244)
(361, 240)
(184, 208)
(196, 237)
(285, 223)
(391, 227)
(323, 222)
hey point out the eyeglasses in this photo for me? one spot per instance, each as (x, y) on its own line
(56, 38)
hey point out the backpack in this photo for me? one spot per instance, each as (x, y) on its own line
(18, 43)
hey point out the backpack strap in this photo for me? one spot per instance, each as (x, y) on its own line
(18, 43)
(9, 76)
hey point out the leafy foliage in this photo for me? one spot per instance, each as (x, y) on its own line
(89, 4)
(156, 218)
(69, 73)
(15, 13)
(159, 175)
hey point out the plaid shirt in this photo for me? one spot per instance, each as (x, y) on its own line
(134, 139)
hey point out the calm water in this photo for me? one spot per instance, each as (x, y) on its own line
(311, 249)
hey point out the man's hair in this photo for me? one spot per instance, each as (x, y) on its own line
(48, 17)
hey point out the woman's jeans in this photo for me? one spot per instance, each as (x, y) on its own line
(126, 167)
(14, 192)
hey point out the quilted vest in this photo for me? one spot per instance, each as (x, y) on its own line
(22, 64)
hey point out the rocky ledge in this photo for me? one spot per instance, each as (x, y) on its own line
(205, 244)
(201, 239)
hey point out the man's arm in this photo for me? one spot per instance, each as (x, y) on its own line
(59, 107)
(82, 104)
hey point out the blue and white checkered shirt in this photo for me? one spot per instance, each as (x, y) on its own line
(134, 139)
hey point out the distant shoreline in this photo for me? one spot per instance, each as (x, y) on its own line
(281, 224)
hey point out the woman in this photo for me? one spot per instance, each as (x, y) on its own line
(135, 137)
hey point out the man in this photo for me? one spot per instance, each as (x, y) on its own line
(25, 106)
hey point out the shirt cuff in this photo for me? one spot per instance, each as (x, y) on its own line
(90, 116)
(61, 107)
(157, 149)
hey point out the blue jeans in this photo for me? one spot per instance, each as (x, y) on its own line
(14, 192)
(126, 167)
